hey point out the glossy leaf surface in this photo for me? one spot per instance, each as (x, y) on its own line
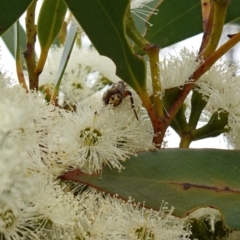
(185, 178)
(8, 38)
(10, 11)
(178, 20)
(50, 20)
(108, 36)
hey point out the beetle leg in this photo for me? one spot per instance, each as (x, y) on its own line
(128, 93)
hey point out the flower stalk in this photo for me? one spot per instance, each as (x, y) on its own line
(186, 140)
(220, 11)
(207, 18)
(19, 68)
(197, 106)
(156, 111)
(29, 53)
(133, 33)
(153, 54)
(206, 8)
(213, 22)
(216, 126)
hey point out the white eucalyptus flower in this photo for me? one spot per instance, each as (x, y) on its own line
(5, 80)
(176, 71)
(84, 74)
(26, 118)
(117, 219)
(17, 220)
(96, 135)
(220, 87)
(57, 208)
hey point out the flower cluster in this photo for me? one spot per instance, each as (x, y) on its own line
(219, 88)
(176, 71)
(40, 141)
(86, 73)
(77, 114)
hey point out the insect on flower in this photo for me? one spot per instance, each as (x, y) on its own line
(115, 94)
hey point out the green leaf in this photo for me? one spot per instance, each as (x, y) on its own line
(186, 178)
(50, 20)
(8, 38)
(178, 20)
(179, 123)
(216, 126)
(72, 33)
(103, 22)
(66, 52)
(10, 12)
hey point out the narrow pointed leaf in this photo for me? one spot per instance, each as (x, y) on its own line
(50, 20)
(186, 178)
(103, 22)
(72, 33)
(10, 11)
(8, 38)
(66, 52)
(178, 20)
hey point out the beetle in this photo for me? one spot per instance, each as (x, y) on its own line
(116, 93)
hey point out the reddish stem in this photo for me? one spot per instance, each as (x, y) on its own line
(162, 124)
